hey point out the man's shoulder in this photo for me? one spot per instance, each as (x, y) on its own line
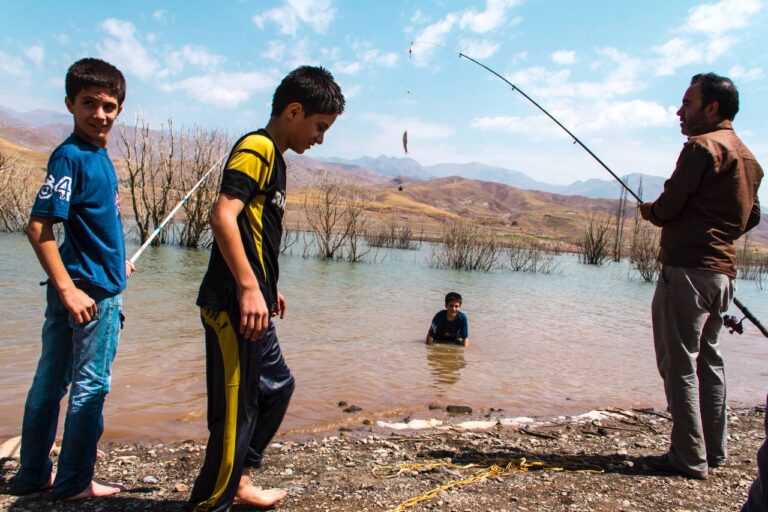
(720, 142)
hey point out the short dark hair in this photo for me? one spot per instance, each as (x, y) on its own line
(452, 297)
(90, 72)
(721, 89)
(311, 86)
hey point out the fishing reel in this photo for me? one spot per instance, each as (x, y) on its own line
(733, 325)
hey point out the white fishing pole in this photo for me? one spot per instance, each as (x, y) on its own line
(159, 228)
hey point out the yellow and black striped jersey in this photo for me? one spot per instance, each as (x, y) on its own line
(254, 174)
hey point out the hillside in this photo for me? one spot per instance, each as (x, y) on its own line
(425, 204)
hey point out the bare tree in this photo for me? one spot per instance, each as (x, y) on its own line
(531, 257)
(207, 147)
(17, 193)
(466, 247)
(395, 235)
(643, 255)
(356, 222)
(644, 251)
(621, 215)
(325, 212)
(596, 239)
(141, 162)
(751, 264)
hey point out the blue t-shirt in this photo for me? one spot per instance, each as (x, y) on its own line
(81, 190)
(444, 330)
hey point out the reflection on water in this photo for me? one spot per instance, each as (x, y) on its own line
(446, 361)
(556, 344)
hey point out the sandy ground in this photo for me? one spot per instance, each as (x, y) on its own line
(582, 463)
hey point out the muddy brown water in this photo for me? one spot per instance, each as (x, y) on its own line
(563, 343)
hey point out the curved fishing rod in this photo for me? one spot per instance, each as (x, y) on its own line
(184, 199)
(730, 322)
(566, 130)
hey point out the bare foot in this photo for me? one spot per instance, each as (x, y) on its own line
(97, 489)
(248, 494)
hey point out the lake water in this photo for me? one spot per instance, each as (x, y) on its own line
(553, 344)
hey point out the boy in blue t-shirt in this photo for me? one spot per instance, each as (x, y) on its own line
(86, 275)
(450, 325)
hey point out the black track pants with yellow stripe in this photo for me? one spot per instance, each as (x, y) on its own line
(249, 388)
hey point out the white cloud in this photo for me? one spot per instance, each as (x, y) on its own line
(722, 16)
(469, 20)
(275, 51)
(676, 53)
(197, 56)
(518, 57)
(227, 90)
(714, 21)
(61, 38)
(125, 51)
(419, 17)
(36, 54)
(376, 57)
(564, 57)
(161, 16)
(629, 115)
(366, 57)
(350, 91)
(478, 48)
(488, 20)
(318, 14)
(12, 64)
(739, 73)
(347, 68)
(608, 118)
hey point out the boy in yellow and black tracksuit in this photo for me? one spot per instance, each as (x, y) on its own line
(249, 384)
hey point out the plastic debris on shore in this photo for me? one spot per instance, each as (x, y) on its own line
(413, 424)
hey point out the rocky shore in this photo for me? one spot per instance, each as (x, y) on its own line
(461, 463)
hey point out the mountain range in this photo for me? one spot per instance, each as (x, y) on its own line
(594, 188)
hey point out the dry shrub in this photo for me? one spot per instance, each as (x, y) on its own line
(466, 246)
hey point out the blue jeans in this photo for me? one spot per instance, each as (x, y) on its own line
(80, 355)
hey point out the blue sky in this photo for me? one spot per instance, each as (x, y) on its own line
(612, 71)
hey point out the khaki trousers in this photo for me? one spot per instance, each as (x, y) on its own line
(687, 312)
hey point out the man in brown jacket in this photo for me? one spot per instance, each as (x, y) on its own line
(709, 201)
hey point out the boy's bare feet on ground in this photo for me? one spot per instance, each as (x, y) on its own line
(97, 489)
(248, 494)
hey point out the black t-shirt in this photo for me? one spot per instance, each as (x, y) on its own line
(443, 329)
(255, 174)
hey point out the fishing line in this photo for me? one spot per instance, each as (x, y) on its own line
(730, 322)
(176, 208)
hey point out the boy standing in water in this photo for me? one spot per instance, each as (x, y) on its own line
(249, 384)
(86, 275)
(450, 324)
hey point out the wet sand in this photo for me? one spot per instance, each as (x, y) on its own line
(590, 462)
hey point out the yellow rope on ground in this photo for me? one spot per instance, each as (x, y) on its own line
(489, 467)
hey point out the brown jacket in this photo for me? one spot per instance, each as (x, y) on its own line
(709, 201)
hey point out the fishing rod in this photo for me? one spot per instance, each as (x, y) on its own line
(730, 322)
(176, 208)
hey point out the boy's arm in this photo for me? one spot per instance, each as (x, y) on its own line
(254, 315)
(78, 303)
